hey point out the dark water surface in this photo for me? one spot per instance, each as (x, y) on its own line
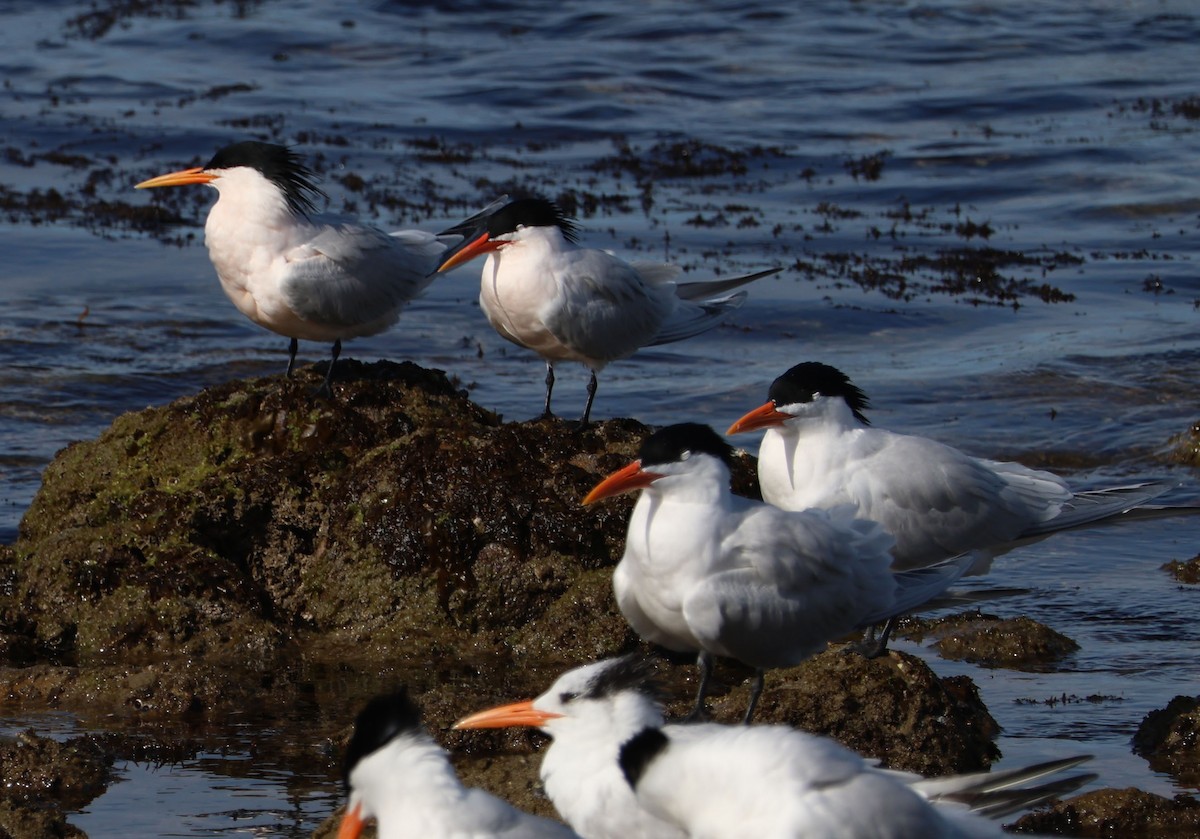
(1061, 136)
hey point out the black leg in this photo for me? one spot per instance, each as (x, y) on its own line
(756, 686)
(872, 646)
(549, 389)
(326, 388)
(704, 662)
(293, 346)
(591, 392)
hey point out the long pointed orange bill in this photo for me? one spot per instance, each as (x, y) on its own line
(623, 480)
(468, 250)
(764, 416)
(195, 175)
(352, 823)
(508, 716)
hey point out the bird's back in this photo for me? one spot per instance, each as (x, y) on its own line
(772, 781)
(935, 500)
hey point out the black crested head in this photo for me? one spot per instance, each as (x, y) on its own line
(531, 212)
(279, 165)
(804, 381)
(629, 672)
(639, 752)
(675, 442)
(382, 720)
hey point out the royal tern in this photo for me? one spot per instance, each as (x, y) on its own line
(397, 775)
(296, 272)
(567, 303)
(616, 769)
(589, 712)
(727, 782)
(820, 451)
(707, 571)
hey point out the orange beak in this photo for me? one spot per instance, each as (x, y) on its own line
(623, 480)
(467, 251)
(507, 716)
(764, 416)
(195, 175)
(352, 823)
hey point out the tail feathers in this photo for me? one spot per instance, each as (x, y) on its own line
(957, 598)
(1114, 503)
(1002, 793)
(704, 290)
(920, 585)
(691, 319)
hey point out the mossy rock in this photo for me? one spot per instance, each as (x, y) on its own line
(254, 515)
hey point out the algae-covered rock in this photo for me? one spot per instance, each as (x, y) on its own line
(893, 708)
(220, 551)
(1185, 572)
(1169, 739)
(1015, 643)
(1128, 813)
(44, 778)
(252, 514)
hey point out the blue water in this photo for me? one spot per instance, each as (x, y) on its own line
(1061, 126)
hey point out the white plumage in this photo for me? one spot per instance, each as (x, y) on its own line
(541, 291)
(617, 770)
(302, 274)
(819, 451)
(397, 776)
(707, 571)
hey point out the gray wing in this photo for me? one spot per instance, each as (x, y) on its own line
(348, 275)
(939, 502)
(607, 310)
(796, 582)
(688, 319)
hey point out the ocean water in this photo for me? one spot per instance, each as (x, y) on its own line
(878, 151)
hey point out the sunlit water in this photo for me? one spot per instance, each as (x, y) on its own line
(1051, 122)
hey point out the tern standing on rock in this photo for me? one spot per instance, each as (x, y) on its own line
(299, 273)
(710, 572)
(819, 450)
(542, 291)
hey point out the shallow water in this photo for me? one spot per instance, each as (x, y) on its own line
(1065, 130)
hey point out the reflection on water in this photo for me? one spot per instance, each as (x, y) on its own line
(1055, 128)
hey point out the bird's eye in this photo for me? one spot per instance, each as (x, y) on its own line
(686, 454)
(567, 696)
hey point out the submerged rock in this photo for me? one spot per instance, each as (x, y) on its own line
(1185, 572)
(1185, 447)
(1015, 643)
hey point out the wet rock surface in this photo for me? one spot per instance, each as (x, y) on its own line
(43, 778)
(1185, 447)
(1014, 643)
(249, 546)
(1116, 812)
(1169, 739)
(1185, 572)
